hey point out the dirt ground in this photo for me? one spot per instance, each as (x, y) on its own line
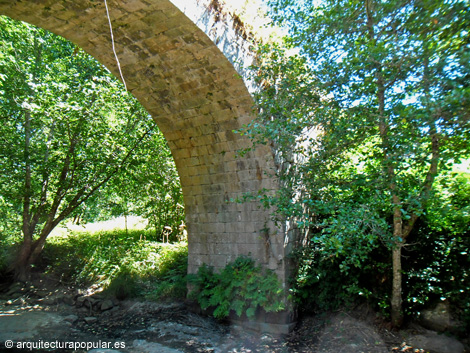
(43, 312)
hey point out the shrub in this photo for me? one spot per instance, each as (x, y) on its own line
(323, 282)
(171, 279)
(439, 270)
(241, 287)
(123, 286)
(436, 267)
(123, 263)
(439, 252)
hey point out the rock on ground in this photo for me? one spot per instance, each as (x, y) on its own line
(439, 318)
(434, 342)
(142, 346)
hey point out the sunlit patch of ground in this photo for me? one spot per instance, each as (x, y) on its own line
(133, 222)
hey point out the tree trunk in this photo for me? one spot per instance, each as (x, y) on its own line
(30, 251)
(396, 301)
(21, 266)
(399, 240)
(28, 254)
(389, 169)
(125, 222)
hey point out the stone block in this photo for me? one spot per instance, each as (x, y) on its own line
(219, 178)
(230, 155)
(245, 250)
(220, 147)
(187, 180)
(250, 185)
(224, 249)
(193, 171)
(219, 261)
(220, 228)
(179, 154)
(438, 318)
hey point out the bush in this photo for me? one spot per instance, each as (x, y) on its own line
(323, 282)
(439, 257)
(171, 279)
(436, 267)
(123, 263)
(8, 249)
(241, 287)
(123, 286)
(440, 269)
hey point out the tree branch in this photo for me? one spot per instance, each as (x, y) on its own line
(82, 196)
(27, 232)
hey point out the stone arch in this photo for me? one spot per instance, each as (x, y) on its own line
(197, 99)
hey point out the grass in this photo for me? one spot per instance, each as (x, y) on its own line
(124, 263)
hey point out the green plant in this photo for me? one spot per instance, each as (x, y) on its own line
(123, 263)
(74, 144)
(436, 268)
(241, 287)
(7, 251)
(324, 282)
(123, 286)
(368, 104)
(171, 279)
(440, 263)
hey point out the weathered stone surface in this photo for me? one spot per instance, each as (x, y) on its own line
(106, 305)
(22, 325)
(436, 343)
(67, 299)
(86, 301)
(80, 301)
(16, 290)
(51, 300)
(71, 318)
(43, 293)
(439, 318)
(143, 346)
(90, 319)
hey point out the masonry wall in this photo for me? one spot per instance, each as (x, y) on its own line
(197, 99)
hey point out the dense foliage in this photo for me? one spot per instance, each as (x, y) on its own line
(69, 129)
(148, 187)
(241, 287)
(367, 104)
(127, 264)
(437, 265)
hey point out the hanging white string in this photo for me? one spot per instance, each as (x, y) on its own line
(114, 48)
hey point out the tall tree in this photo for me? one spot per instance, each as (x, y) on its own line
(67, 128)
(159, 199)
(377, 104)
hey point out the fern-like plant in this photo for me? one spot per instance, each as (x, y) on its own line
(241, 287)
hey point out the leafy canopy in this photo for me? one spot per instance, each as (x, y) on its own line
(366, 103)
(68, 128)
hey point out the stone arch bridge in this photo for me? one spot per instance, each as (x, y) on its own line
(180, 58)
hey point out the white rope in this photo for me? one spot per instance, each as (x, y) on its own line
(114, 48)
